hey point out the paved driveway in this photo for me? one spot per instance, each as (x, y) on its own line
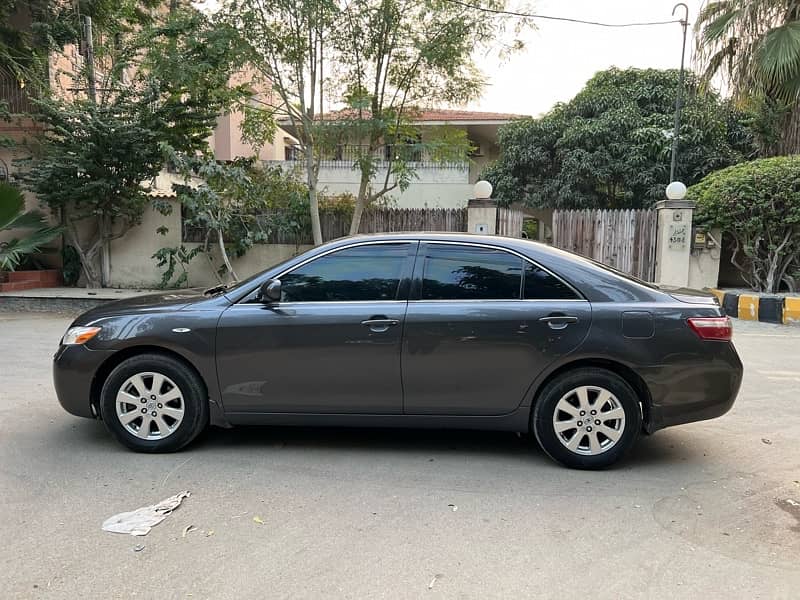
(705, 510)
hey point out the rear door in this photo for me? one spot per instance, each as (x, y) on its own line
(481, 323)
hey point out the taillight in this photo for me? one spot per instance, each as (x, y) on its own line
(712, 328)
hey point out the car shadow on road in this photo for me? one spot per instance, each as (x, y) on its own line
(666, 448)
(663, 449)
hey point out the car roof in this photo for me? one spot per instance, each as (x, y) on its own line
(434, 236)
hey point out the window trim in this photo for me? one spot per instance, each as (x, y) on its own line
(416, 282)
(249, 298)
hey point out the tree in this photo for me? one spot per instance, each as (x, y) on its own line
(757, 203)
(382, 60)
(394, 57)
(284, 44)
(755, 45)
(90, 168)
(30, 30)
(239, 204)
(94, 156)
(609, 147)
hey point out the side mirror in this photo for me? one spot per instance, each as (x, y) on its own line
(270, 291)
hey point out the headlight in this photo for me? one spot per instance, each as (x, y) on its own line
(79, 335)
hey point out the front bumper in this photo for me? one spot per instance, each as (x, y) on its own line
(74, 369)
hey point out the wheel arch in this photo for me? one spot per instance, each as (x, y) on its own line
(630, 376)
(104, 370)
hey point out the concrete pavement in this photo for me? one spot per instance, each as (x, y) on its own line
(708, 510)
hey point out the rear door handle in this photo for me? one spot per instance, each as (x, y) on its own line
(380, 324)
(558, 321)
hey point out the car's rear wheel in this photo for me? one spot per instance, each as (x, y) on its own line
(587, 418)
(154, 403)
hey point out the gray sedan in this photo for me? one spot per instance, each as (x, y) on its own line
(409, 330)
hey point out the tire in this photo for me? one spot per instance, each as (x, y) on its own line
(176, 412)
(572, 396)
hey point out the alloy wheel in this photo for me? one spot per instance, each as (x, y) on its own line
(150, 405)
(589, 420)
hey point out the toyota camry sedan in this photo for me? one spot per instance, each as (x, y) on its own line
(409, 330)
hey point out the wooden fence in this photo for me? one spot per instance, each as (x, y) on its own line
(374, 220)
(509, 222)
(385, 220)
(623, 239)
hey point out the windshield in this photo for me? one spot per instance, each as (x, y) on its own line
(245, 282)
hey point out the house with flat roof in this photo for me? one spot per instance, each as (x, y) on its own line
(436, 184)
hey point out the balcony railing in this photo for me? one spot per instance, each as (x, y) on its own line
(346, 156)
(13, 97)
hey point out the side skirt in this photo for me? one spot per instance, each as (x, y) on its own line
(517, 421)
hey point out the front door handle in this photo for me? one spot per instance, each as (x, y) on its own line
(380, 324)
(558, 321)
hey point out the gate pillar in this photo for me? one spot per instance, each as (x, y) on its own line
(482, 210)
(674, 237)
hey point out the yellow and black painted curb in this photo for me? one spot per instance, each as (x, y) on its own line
(753, 307)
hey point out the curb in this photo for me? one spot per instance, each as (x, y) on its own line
(65, 306)
(753, 307)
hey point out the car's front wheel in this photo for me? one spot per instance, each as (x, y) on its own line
(587, 418)
(154, 403)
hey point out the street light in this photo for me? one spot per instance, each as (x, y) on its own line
(678, 98)
(676, 191)
(483, 190)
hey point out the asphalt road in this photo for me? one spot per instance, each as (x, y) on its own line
(708, 510)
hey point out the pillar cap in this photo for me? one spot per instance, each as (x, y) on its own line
(481, 203)
(674, 204)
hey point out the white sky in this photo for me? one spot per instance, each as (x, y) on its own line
(560, 57)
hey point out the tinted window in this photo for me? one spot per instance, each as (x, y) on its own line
(470, 273)
(541, 285)
(360, 273)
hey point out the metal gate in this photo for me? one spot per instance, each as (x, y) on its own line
(623, 239)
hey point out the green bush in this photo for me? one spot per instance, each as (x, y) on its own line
(13, 216)
(757, 204)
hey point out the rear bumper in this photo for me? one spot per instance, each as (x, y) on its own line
(74, 368)
(692, 391)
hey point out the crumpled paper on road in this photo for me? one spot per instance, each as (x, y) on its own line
(141, 520)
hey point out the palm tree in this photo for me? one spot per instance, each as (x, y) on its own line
(13, 216)
(755, 46)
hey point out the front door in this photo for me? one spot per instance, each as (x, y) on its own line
(332, 343)
(481, 323)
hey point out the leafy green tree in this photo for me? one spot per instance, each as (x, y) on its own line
(757, 204)
(90, 168)
(14, 216)
(284, 45)
(392, 58)
(163, 92)
(173, 258)
(755, 46)
(239, 204)
(609, 147)
(382, 60)
(31, 29)
(186, 61)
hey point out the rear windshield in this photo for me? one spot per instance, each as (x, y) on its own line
(622, 274)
